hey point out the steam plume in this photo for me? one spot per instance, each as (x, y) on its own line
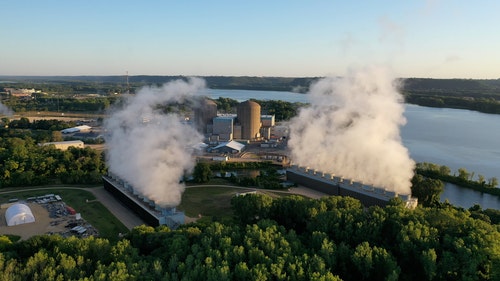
(152, 149)
(351, 129)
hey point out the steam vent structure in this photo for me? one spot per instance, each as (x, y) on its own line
(333, 185)
(151, 213)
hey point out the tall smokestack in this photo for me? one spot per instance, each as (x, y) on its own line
(352, 129)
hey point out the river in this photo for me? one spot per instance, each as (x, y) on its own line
(452, 137)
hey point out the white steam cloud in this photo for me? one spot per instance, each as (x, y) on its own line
(152, 149)
(351, 129)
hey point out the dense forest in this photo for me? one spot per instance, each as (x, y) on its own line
(289, 238)
(26, 163)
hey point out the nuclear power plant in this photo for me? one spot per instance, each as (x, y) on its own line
(338, 186)
(247, 124)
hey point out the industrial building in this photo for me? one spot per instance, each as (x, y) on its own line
(82, 128)
(223, 127)
(228, 147)
(268, 123)
(151, 213)
(64, 145)
(248, 124)
(18, 214)
(334, 185)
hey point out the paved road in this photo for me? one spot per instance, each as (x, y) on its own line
(120, 211)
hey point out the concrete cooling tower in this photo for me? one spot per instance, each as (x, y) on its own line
(249, 119)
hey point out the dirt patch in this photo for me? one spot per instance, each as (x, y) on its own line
(43, 223)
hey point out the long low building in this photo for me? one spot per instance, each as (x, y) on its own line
(338, 186)
(146, 209)
(64, 145)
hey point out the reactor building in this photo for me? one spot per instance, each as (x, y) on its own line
(204, 115)
(247, 124)
(338, 186)
(248, 116)
(151, 213)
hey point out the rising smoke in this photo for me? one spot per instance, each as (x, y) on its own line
(152, 149)
(351, 129)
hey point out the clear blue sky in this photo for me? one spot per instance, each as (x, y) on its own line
(438, 39)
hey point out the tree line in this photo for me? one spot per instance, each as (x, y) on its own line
(464, 178)
(289, 238)
(267, 178)
(26, 163)
(60, 103)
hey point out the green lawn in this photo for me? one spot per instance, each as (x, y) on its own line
(208, 201)
(93, 212)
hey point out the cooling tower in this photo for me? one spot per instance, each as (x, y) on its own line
(249, 119)
(204, 114)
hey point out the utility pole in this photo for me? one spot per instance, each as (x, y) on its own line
(128, 85)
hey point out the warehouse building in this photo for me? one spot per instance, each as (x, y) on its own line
(64, 145)
(228, 147)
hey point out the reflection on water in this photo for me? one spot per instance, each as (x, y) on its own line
(466, 198)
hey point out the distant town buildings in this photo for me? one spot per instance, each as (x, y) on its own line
(21, 93)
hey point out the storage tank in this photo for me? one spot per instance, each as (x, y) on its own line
(204, 114)
(249, 119)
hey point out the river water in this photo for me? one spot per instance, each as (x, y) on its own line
(452, 137)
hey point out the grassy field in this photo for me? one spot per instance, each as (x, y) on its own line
(211, 202)
(93, 212)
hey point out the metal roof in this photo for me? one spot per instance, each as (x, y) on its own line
(231, 144)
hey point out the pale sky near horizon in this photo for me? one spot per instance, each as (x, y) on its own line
(434, 38)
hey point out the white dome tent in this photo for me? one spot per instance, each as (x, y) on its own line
(19, 214)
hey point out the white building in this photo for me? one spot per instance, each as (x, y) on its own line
(82, 128)
(19, 214)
